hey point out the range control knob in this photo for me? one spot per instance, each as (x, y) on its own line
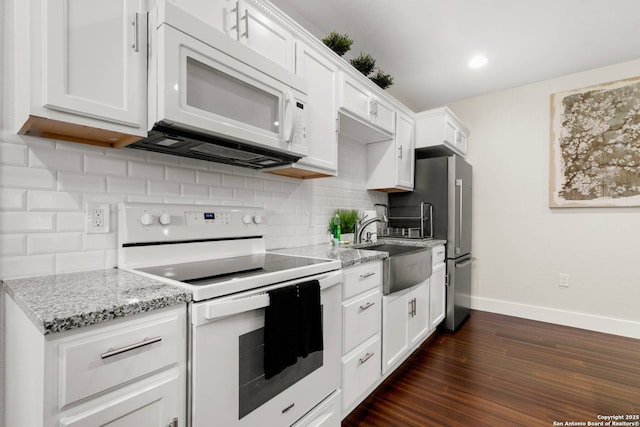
(257, 219)
(165, 219)
(246, 219)
(146, 219)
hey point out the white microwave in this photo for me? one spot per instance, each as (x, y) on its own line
(215, 99)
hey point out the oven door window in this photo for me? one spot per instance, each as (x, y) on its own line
(255, 390)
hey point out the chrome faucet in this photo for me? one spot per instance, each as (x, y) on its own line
(361, 226)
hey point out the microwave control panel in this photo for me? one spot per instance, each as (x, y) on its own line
(300, 131)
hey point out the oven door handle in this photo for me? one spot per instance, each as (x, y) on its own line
(253, 301)
(227, 308)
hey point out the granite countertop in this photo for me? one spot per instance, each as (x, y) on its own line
(356, 254)
(67, 301)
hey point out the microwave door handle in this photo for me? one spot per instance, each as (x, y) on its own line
(289, 123)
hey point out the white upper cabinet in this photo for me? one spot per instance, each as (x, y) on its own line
(441, 132)
(390, 164)
(87, 65)
(365, 116)
(252, 24)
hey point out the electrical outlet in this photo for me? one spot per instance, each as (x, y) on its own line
(97, 218)
(564, 280)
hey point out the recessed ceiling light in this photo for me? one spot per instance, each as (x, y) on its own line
(478, 61)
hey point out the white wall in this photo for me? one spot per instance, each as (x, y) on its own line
(520, 245)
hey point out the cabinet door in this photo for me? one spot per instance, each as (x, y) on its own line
(95, 60)
(355, 98)
(396, 312)
(383, 114)
(450, 130)
(405, 152)
(155, 405)
(437, 295)
(321, 115)
(263, 34)
(214, 12)
(419, 318)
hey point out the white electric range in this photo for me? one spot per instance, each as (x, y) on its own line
(218, 253)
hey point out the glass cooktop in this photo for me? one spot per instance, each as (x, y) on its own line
(224, 269)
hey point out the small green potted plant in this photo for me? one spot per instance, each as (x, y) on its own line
(347, 219)
(364, 63)
(339, 43)
(382, 79)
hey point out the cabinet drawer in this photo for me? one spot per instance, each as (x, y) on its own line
(360, 372)
(105, 358)
(361, 278)
(327, 414)
(361, 319)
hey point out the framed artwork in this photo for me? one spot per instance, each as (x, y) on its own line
(595, 146)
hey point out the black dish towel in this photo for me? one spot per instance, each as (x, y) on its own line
(292, 326)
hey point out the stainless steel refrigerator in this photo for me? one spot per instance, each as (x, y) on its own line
(445, 183)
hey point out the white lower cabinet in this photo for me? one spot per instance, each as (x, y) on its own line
(405, 323)
(123, 372)
(360, 370)
(361, 314)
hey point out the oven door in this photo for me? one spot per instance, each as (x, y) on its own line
(208, 83)
(228, 385)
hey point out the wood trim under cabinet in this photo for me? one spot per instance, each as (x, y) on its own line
(56, 129)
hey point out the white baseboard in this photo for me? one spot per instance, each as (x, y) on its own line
(574, 319)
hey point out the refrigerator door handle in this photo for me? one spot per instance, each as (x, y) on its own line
(463, 263)
(459, 227)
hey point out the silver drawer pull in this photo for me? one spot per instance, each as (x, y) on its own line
(365, 275)
(115, 351)
(367, 305)
(366, 357)
(174, 422)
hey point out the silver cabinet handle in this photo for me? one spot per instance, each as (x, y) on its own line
(365, 275)
(400, 152)
(366, 357)
(174, 422)
(246, 23)
(367, 305)
(135, 33)
(411, 308)
(115, 351)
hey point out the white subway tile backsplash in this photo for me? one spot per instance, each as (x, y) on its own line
(37, 224)
(80, 261)
(26, 222)
(92, 242)
(180, 175)
(70, 221)
(47, 243)
(12, 199)
(208, 178)
(55, 159)
(220, 194)
(53, 201)
(13, 154)
(192, 190)
(254, 183)
(27, 266)
(162, 188)
(13, 244)
(146, 171)
(68, 181)
(22, 177)
(163, 159)
(243, 195)
(232, 181)
(104, 165)
(126, 185)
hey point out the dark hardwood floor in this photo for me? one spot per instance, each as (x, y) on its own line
(504, 371)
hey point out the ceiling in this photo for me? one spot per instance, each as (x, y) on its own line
(426, 44)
